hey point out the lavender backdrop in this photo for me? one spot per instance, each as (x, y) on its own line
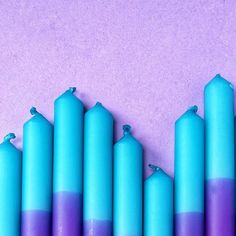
(146, 61)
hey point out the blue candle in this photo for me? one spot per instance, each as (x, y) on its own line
(219, 116)
(37, 176)
(158, 204)
(10, 188)
(128, 182)
(189, 174)
(68, 156)
(98, 143)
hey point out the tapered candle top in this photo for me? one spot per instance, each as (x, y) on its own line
(217, 80)
(191, 113)
(98, 110)
(68, 101)
(128, 137)
(9, 137)
(35, 113)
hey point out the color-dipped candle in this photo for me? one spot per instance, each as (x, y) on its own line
(189, 174)
(10, 188)
(158, 204)
(219, 117)
(37, 176)
(128, 182)
(98, 148)
(68, 156)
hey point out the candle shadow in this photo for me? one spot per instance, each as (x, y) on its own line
(17, 142)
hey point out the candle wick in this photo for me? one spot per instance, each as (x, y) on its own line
(153, 167)
(33, 111)
(8, 137)
(98, 104)
(126, 129)
(193, 108)
(72, 89)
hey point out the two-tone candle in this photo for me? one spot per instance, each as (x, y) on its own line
(219, 118)
(68, 156)
(37, 176)
(158, 203)
(98, 150)
(128, 185)
(189, 174)
(10, 188)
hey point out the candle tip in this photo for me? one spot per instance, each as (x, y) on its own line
(72, 89)
(126, 129)
(33, 111)
(98, 104)
(153, 167)
(193, 108)
(9, 136)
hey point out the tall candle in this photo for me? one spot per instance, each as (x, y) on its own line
(68, 156)
(158, 204)
(128, 182)
(219, 116)
(189, 174)
(37, 176)
(10, 188)
(98, 141)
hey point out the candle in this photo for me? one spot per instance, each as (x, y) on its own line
(219, 116)
(98, 141)
(37, 176)
(10, 188)
(68, 156)
(158, 204)
(128, 181)
(189, 174)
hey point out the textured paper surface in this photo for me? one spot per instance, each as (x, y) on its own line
(146, 61)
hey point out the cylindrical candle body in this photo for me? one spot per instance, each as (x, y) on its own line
(37, 176)
(128, 182)
(189, 174)
(219, 117)
(68, 156)
(158, 204)
(98, 141)
(10, 189)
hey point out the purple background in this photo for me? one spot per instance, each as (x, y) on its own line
(146, 61)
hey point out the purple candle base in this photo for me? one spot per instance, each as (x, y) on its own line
(36, 223)
(220, 207)
(189, 224)
(67, 214)
(97, 228)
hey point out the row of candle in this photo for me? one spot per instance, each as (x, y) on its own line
(204, 160)
(91, 187)
(70, 179)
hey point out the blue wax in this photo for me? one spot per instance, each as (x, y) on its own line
(37, 163)
(98, 143)
(68, 143)
(128, 182)
(189, 172)
(158, 204)
(10, 188)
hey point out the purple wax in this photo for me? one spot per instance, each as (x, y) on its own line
(67, 214)
(36, 223)
(97, 228)
(220, 207)
(189, 224)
